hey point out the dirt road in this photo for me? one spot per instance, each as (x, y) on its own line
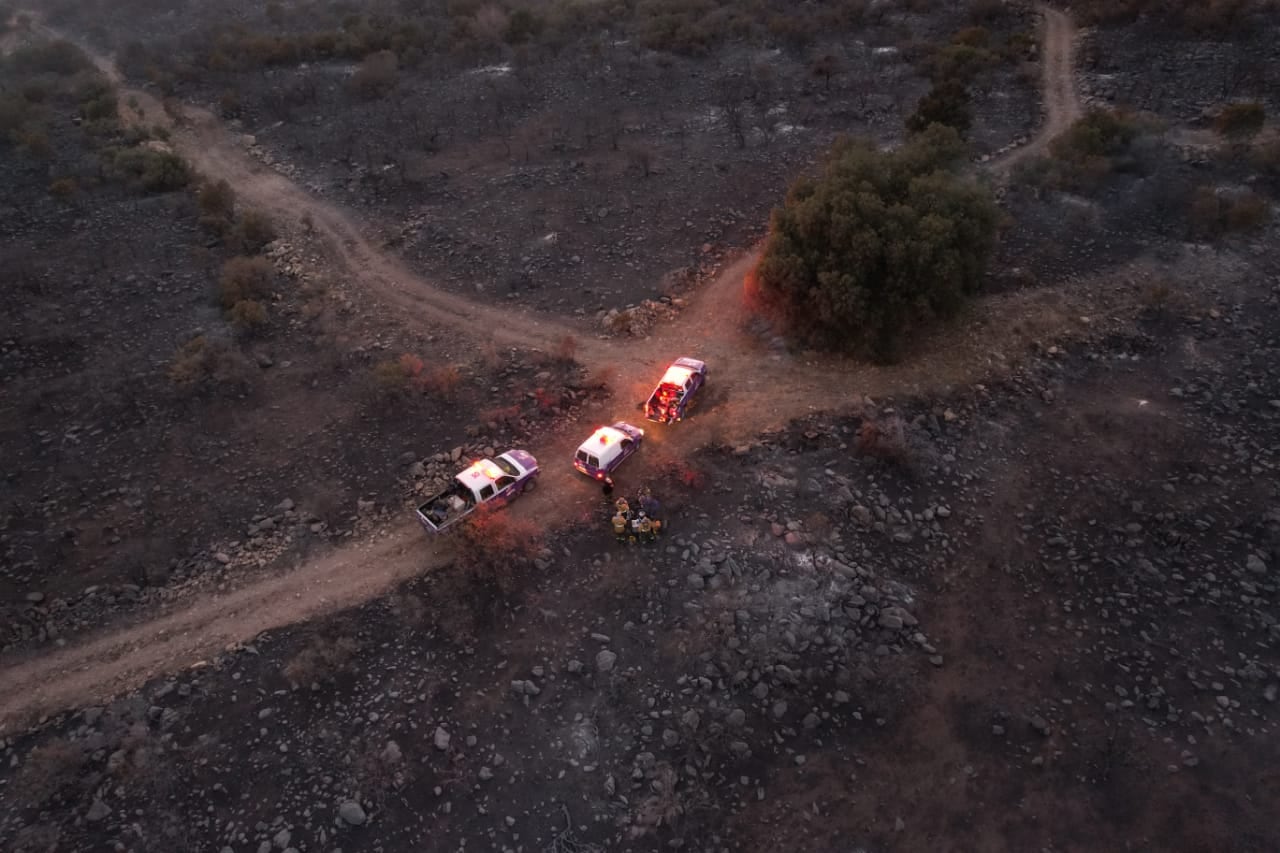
(1058, 86)
(753, 388)
(218, 154)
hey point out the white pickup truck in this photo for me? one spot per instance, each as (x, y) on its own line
(489, 482)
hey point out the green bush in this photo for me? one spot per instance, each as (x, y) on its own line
(153, 168)
(880, 243)
(51, 57)
(1080, 158)
(960, 62)
(947, 104)
(522, 25)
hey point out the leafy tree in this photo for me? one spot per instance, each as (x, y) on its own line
(881, 242)
(946, 103)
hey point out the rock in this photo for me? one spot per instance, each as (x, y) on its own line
(35, 597)
(736, 718)
(285, 505)
(282, 838)
(811, 720)
(670, 738)
(861, 515)
(97, 811)
(1041, 725)
(264, 360)
(1256, 565)
(696, 581)
(417, 470)
(779, 709)
(892, 621)
(777, 529)
(352, 813)
(605, 660)
(691, 720)
(222, 558)
(574, 666)
(442, 738)
(392, 754)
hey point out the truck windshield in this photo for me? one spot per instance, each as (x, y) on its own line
(507, 467)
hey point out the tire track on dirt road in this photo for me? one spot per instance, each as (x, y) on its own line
(753, 389)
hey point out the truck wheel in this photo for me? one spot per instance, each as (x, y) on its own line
(531, 484)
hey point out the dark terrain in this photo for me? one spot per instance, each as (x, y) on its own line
(1014, 593)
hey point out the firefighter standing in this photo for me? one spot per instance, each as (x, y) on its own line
(620, 528)
(646, 528)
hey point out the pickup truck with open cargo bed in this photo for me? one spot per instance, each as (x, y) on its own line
(671, 399)
(485, 482)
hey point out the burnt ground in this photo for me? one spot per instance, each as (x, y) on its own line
(120, 480)
(575, 172)
(1044, 621)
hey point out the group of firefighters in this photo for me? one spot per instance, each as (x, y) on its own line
(634, 525)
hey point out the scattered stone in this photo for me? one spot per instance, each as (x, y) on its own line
(442, 738)
(97, 811)
(352, 813)
(605, 660)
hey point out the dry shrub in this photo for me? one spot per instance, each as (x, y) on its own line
(248, 315)
(322, 660)
(253, 232)
(503, 416)
(217, 199)
(494, 547)
(244, 278)
(377, 75)
(547, 401)
(490, 357)
(201, 364)
(442, 381)
(1265, 157)
(49, 768)
(1214, 213)
(601, 380)
(620, 323)
(63, 188)
(398, 375)
(566, 350)
(662, 808)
